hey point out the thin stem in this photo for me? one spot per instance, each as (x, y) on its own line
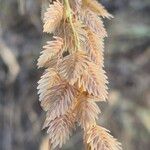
(70, 19)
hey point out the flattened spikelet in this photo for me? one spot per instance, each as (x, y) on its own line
(53, 17)
(97, 8)
(95, 47)
(51, 53)
(65, 32)
(94, 81)
(60, 129)
(98, 138)
(49, 79)
(59, 98)
(87, 111)
(73, 66)
(94, 22)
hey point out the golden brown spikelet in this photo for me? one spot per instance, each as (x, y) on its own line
(95, 48)
(53, 17)
(48, 79)
(59, 98)
(94, 81)
(94, 22)
(60, 129)
(85, 105)
(98, 138)
(97, 8)
(74, 79)
(73, 66)
(65, 32)
(51, 53)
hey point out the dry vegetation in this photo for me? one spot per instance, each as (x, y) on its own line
(74, 79)
(127, 56)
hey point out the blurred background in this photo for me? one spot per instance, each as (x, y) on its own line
(127, 62)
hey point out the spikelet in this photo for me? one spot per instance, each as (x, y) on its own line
(94, 82)
(74, 79)
(95, 47)
(97, 8)
(60, 129)
(87, 111)
(94, 22)
(53, 17)
(73, 66)
(51, 53)
(49, 79)
(59, 98)
(98, 138)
